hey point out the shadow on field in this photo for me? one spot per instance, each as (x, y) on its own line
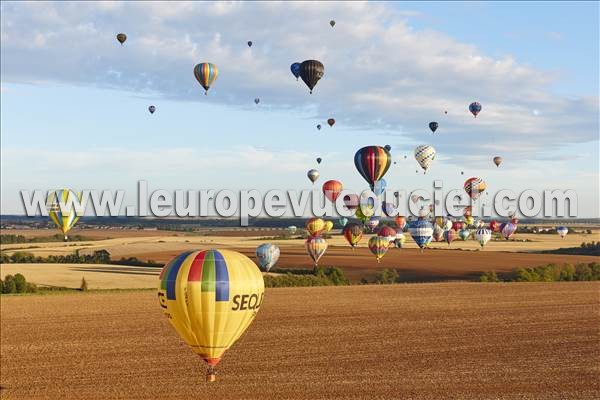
(120, 270)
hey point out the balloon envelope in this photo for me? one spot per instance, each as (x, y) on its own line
(425, 155)
(313, 175)
(121, 37)
(433, 126)
(353, 233)
(474, 187)
(331, 121)
(151, 109)
(210, 297)
(295, 68)
(66, 217)
(315, 226)
(483, 235)
(421, 231)
(379, 246)
(387, 232)
(332, 189)
(267, 255)
(315, 247)
(497, 161)
(206, 74)
(311, 71)
(562, 231)
(475, 108)
(372, 162)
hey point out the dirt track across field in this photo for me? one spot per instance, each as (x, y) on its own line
(420, 341)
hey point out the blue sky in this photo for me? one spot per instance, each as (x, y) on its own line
(74, 102)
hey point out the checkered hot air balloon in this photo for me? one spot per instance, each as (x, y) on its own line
(474, 187)
(425, 155)
(421, 231)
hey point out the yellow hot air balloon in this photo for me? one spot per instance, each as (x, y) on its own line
(315, 226)
(210, 297)
(64, 218)
(328, 226)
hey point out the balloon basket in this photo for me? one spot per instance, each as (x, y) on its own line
(211, 374)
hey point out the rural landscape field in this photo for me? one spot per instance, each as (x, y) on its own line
(300, 200)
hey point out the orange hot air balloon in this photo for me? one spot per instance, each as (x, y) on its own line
(315, 226)
(400, 222)
(332, 189)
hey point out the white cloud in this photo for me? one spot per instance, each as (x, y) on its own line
(379, 72)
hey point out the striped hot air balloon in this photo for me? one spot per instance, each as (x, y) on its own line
(210, 297)
(267, 255)
(206, 74)
(64, 217)
(421, 231)
(353, 233)
(315, 247)
(379, 246)
(425, 155)
(372, 162)
(311, 71)
(483, 235)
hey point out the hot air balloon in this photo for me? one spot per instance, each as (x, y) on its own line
(494, 226)
(372, 222)
(379, 246)
(315, 247)
(464, 234)
(379, 187)
(151, 109)
(121, 37)
(424, 155)
(562, 231)
(474, 187)
(458, 225)
(351, 201)
(256, 100)
(315, 226)
(313, 175)
(372, 162)
(421, 231)
(332, 189)
(353, 233)
(249, 43)
(319, 159)
(206, 74)
(462, 172)
(65, 218)
(343, 221)
(328, 226)
(438, 233)
(331, 121)
(295, 68)
(483, 235)
(475, 108)
(292, 229)
(400, 239)
(332, 23)
(210, 297)
(387, 232)
(363, 213)
(388, 147)
(497, 161)
(319, 126)
(267, 255)
(433, 126)
(310, 72)
(449, 236)
(400, 222)
(508, 229)
(469, 220)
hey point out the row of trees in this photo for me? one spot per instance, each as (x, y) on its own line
(97, 257)
(16, 284)
(15, 239)
(549, 273)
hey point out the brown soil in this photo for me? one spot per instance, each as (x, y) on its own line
(430, 341)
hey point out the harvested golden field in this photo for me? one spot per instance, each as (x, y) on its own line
(422, 341)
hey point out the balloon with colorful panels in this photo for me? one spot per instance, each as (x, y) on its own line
(507, 229)
(353, 233)
(210, 297)
(483, 235)
(315, 247)
(206, 74)
(372, 162)
(61, 209)
(314, 226)
(474, 187)
(328, 226)
(379, 246)
(421, 231)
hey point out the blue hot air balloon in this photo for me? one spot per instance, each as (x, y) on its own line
(421, 231)
(267, 255)
(295, 68)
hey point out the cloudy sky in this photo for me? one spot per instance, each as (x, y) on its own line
(74, 102)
